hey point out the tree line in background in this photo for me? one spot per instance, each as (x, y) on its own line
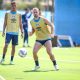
(22, 5)
(1, 4)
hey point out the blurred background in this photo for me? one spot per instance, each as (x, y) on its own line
(21, 4)
(46, 7)
(64, 13)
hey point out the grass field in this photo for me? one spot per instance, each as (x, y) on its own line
(68, 60)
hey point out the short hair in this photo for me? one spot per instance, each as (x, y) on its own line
(36, 8)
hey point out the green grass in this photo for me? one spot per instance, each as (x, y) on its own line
(68, 60)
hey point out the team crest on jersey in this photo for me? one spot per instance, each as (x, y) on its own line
(37, 25)
(13, 19)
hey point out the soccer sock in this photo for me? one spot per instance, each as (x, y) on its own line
(54, 62)
(3, 56)
(12, 58)
(37, 63)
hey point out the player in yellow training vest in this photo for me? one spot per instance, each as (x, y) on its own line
(12, 23)
(43, 37)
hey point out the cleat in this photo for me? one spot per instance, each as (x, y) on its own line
(36, 68)
(56, 67)
(11, 63)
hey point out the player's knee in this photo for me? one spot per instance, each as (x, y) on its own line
(6, 46)
(34, 51)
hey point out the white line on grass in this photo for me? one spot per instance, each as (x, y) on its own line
(1, 78)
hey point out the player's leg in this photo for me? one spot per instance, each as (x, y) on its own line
(24, 40)
(36, 48)
(7, 41)
(27, 38)
(12, 54)
(14, 43)
(4, 53)
(48, 46)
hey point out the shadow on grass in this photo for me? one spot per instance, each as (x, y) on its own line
(6, 64)
(38, 70)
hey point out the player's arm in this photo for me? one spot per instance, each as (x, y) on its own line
(52, 27)
(31, 33)
(4, 26)
(50, 24)
(21, 28)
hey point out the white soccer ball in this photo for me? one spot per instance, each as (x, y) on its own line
(22, 52)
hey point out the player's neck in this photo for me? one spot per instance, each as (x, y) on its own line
(36, 18)
(13, 12)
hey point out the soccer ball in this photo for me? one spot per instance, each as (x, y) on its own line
(22, 52)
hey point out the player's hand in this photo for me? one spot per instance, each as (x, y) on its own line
(30, 33)
(3, 34)
(51, 35)
(22, 35)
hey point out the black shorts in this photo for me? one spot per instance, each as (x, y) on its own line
(42, 42)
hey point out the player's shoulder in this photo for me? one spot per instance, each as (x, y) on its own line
(43, 18)
(18, 13)
(6, 13)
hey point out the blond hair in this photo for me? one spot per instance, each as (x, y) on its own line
(35, 8)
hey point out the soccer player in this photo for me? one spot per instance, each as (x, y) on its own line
(43, 37)
(25, 22)
(12, 23)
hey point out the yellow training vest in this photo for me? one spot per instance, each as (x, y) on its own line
(41, 29)
(12, 22)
